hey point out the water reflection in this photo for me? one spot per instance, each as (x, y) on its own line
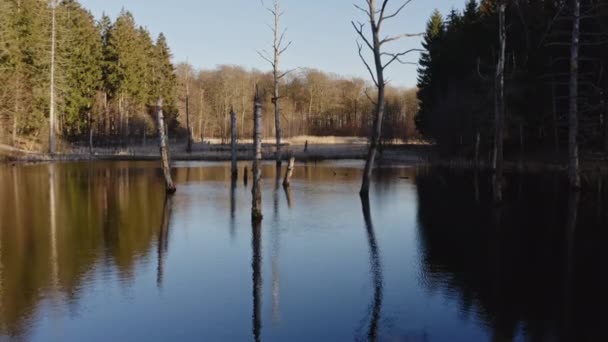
(511, 267)
(256, 267)
(375, 271)
(59, 223)
(163, 239)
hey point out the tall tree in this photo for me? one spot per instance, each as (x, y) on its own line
(377, 18)
(279, 46)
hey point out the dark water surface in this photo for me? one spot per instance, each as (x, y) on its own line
(94, 252)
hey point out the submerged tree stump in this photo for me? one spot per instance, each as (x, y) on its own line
(289, 172)
(164, 151)
(256, 191)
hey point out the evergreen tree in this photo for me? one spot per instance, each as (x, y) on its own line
(429, 73)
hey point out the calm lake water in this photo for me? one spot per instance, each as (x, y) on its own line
(94, 252)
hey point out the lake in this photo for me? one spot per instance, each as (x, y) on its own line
(95, 252)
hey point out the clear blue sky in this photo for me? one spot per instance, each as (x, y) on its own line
(214, 32)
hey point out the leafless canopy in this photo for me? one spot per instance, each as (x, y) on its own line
(376, 20)
(280, 45)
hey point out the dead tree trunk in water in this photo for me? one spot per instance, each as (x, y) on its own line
(498, 158)
(256, 191)
(233, 143)
(289, 172)
(573, 163)
(376, 19)
(278, 48)
(164, 152)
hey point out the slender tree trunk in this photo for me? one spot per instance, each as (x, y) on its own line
(164, 150)
(106, 110)
(16, 119)
(52, 119)
(554, 113)
(573, 158)
(499, 105)
(605, 117)
(90, 132)
(233, 144)
(256, 211)
(200, 116)
(289, 172)
(477, 143)
(188, 129)
(375, 140)
(277, 118)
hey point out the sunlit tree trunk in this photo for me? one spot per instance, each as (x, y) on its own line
(164, 150)
(52, 119)
(256, 209)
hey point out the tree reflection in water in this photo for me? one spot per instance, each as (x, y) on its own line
(375, 271)
(512, 267)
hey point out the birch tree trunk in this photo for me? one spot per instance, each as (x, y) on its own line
(256, 209)
(164, 152)
(573, 158)
(498, 159)
(52, 119)
(233, 144)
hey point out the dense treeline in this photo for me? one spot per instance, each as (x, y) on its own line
(313, 103)
(106, 73)
(109, 74)
(456, 76)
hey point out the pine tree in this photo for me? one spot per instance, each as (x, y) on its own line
(80, 51)
(429, 72)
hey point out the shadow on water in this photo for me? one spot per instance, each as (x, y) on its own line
(375, 271)
(533, 268)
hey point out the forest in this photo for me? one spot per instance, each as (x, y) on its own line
(109, 74)
(457, 77)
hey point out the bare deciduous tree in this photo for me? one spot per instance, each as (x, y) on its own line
(382, 60)
(279, 47)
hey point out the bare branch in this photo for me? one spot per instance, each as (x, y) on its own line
(264, 57)
(397, 56)
(360, 32)
(405, 35)
(285, 48)
(369, 97)
(394, 14)
(360, 47)
(362, 10)
(484, 78)
(285, 73)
